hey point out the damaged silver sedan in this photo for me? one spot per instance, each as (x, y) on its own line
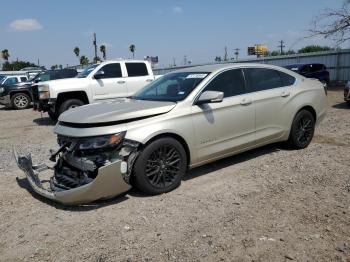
(185, 119)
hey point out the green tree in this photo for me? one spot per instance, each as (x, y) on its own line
(132, 49)
(103, 51)
(313, 48)
(76, 51)
(16, 65)
(217, 59)
(53, 67)
(84, 60)
(5, 54)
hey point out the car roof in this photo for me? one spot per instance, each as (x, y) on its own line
(218, 67)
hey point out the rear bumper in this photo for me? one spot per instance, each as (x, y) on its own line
(108, 183)
(5, 100)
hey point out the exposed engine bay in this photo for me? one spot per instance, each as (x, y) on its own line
(82, 168)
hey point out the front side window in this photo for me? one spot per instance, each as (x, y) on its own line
(171, 87)
(111, 71)
(87, 71)
(230, 82)
(11, 81)
(136, 69)
(263, 79)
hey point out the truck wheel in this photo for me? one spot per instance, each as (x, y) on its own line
(302, 131)
(68, 104)
(20, 101)
(160, 167)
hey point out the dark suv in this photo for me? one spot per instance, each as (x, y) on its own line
(20, 95)
(318, 71)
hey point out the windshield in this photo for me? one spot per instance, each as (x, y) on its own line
(171, 87)
(86, 71)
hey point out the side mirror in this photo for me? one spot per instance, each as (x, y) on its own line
(37, 80)
(210, 97)
(99, 74)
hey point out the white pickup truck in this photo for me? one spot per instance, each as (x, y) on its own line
(107, 80)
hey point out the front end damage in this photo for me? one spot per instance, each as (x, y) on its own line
(85, 169)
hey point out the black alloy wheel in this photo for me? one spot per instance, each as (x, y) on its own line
(302, 130)
(161, 166)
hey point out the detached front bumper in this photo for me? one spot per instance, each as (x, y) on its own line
(108, 183)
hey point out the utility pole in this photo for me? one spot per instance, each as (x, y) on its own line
(38, 62)
(225, 54)
(237, 53)
(281, 46)
(95, 46)
(185, 59)
(174, 64)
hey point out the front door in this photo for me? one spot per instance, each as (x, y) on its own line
(110, 84)
(225, 127)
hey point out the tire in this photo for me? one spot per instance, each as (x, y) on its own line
(20, 101)
(68, 104)
(160, 166)
(302, 130)
(348, 103)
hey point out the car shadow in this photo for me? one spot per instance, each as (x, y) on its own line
(223, 163)
(342, 105)
(44, 121)
(5, 108)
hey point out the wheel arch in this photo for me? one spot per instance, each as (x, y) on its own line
(12, 93)
(176, 137)
(81, 95)
(310, 109)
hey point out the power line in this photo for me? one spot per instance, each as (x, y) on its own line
(281, 45)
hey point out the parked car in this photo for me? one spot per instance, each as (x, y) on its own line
(107, 80)
(312, 70)
(185, 119)
(347, 93)
(12, 79)
(20, 96)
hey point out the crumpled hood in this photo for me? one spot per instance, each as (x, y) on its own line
(115, 110)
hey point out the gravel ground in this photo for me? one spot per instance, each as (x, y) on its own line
(269, 204)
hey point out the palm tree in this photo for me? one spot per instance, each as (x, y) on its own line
(5, 54)
(84, 60)
(132, 49)
(103, 51)
(76, 51)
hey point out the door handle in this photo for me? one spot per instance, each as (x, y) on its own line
(149, 80)
(285, 94)
(245, 102)
(121, 82)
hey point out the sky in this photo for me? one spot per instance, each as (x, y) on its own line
(200, 29)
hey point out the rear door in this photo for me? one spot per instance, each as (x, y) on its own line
(221, 128)
(111, 84)
(138, 76)
(271, 91)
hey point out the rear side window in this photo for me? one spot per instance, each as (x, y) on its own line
(230, 82)
(11, 81)
(316, 68)
(287, 80)
(263, 79)
(111, 71)
(23, 79)
(136, 69)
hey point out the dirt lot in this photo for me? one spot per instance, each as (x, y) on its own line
(269, 204)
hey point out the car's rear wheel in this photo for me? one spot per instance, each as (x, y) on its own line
(68, 104)
(302, 130)
(20, 101)
(160, 166)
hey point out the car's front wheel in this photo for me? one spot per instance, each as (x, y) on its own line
(160, 166)
(68, 104)
(20, 101)
(302, 130)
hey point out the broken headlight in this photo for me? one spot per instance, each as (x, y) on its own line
(98, 142)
